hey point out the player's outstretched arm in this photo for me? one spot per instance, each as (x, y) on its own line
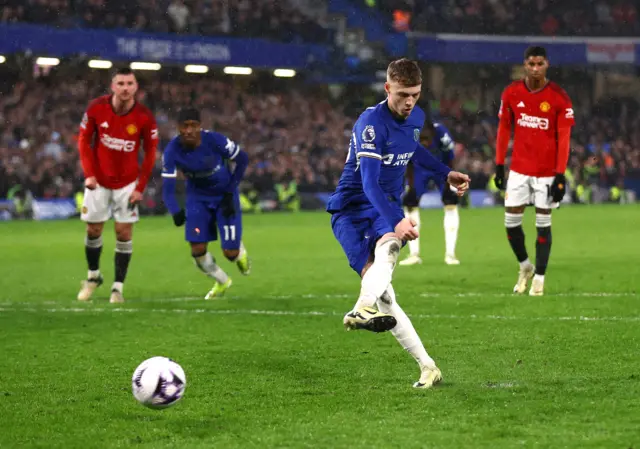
(169, 176)
(370, 168)
(242, 162)
(502, 139)
(150, 136)
(87, 156)
(565, 121)
(169, 198)
(427, 161)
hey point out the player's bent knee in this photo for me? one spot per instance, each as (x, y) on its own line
(543, 220)
(512, 220)
(515, 209)
(231, 254)
(198, 249)
(94, 230)
(124, 231)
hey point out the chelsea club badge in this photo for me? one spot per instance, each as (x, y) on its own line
(416, 134)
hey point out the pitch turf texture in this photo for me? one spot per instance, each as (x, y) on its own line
(271, 366)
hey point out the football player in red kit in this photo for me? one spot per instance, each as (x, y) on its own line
(541, 115)
(109, 140)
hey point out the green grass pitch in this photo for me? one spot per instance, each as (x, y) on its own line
(271, 366)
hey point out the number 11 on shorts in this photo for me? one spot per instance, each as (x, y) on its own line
(229, 230)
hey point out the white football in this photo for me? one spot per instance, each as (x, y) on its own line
(158, 382)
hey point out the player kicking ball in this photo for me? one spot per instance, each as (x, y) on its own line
(541, 114)
(109, 141)
(213, 202)
(367, 217)
(436, 139)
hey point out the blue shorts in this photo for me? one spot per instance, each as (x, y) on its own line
(205, 220)
(358, 232)
(421, 183)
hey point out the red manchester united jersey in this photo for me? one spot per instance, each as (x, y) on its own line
(536, 117)
(109, 144)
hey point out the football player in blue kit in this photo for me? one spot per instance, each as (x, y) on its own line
(212, 203)
(366, 210)
(436, 138)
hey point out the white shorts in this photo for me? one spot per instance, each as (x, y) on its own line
(524, 190)
(100, 204)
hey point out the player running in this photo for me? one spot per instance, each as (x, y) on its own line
(541, 114)
(436, 138)
(212, 200)
(367, 217)
(109, 140)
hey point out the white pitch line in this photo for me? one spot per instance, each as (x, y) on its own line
(90, 310)
(503, 295)
(343, 296)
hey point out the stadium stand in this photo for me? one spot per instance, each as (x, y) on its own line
(516, 17)
(247, 18)
(292, 134)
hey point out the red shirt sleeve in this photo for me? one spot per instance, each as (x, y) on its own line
(150, 139)
(565, 120)
(87, 155)
(505, 115)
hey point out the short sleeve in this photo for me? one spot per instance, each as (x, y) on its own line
(566, 117)
(169, 169)
(505, 111)
(369, 138)
(227, 148)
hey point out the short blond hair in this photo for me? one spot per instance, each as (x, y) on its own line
(404, 72)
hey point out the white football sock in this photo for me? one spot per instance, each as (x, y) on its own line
(404, 330)
(207, 264)
(378, 277)
(119, 286)
(414, 245)
(93, 274)
(451, 225)
(539, 277)
(241, 252)
(525, 263)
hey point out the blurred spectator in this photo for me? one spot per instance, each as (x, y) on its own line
(179, 16)
(271, 19)
(296, 134)
(532, 17)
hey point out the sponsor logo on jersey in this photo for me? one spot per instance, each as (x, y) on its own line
(116, 144)
(104, 125)
(396, 160)
(521, 104)
(368, 133)
(132, 129)
(533, 122)
(545, 107)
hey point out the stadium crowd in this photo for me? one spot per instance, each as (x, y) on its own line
(280, 20)
(517, 17)
(272, 19)
(292, 135)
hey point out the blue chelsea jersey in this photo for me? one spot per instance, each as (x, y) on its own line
(441, 147)
(206, 167)
(378, 134)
